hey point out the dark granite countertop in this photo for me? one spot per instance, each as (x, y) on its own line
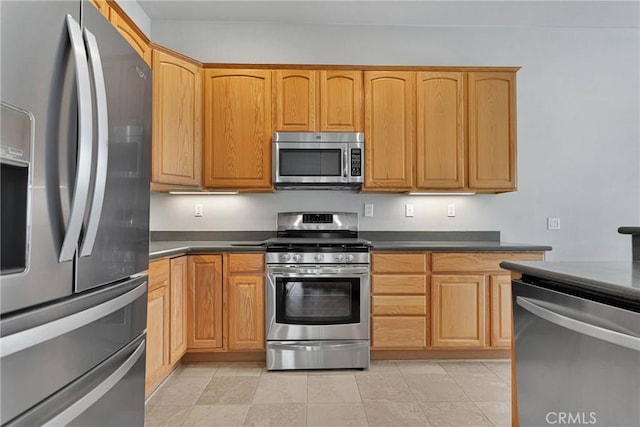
(609, 278)
(164, 248)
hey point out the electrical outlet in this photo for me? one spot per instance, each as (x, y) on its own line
(451, 210)
(368, 209)
(553, 223)
(408, 210)
(197, 211)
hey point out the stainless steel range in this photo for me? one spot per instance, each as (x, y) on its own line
(318, 287)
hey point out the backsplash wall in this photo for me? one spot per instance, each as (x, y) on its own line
(578, 132)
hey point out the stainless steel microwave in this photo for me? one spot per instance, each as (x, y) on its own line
(318, 160)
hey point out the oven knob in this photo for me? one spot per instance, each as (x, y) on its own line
(285, 257)
(297, 257)
(318, 257)
(349, 257)
(339, 257)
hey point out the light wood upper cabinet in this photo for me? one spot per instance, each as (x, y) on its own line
(492, 130)
(295, 100)
(440, 136)
(458, 308)
(237, 129)
(176, 151)
(178, 308)
(389, 129)
(341, 101)
(245, 298)
(204, 302)
(132, 34)
(317, 101)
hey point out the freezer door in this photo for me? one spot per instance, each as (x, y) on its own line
(119, 246)
(111, 394)
(44, 350)
(38, 77)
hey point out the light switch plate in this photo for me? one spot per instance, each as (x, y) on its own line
(451, 210)
(198, 210)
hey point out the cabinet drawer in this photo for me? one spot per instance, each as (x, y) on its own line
(399, 263)
(398, 284)
(398, 332)
(246, 263)
(399, 305)
(478, 261)
(158, 273)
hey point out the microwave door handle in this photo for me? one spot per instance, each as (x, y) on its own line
(95, 212)
(85, 136)
(345, 162)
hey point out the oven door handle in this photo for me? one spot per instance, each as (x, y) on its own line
(315, 272)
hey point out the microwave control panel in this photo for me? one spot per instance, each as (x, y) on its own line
(356, 162)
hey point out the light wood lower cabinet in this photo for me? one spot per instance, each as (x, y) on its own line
(458, 311)
(204, 302)
(399, 316)
(158, 324)
(178, 304)
(245, 298)
(501, 317)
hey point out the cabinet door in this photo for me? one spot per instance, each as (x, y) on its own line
(341, 101)
(205, 302)
(176, 151)
(177, 111)
(389, 99)
(157, 361)
(501, 317)
(492, 130)
(237, 129)
(398, 332)
(440, 130)
(458, 307)
(178, 318)
(132, 34)
(295, 100)
(246, 312)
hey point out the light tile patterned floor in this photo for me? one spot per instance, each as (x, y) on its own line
(452, 393)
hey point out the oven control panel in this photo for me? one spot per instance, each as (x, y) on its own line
(317, 218)
(317, 258)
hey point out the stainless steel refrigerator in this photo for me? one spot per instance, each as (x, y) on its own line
(74, 155)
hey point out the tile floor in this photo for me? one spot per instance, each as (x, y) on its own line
(391, 393)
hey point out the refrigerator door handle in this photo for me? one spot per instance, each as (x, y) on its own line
(85, 136)
(95, 212)
(581, 327)
(19, 341)
(81, 405)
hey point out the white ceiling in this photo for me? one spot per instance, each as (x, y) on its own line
(515, 13)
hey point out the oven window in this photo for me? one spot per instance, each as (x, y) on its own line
(310, 162)
(317, 301)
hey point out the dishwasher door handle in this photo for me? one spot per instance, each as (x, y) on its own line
(584, 328)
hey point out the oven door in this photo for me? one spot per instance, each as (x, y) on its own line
(314, 163)
(317, 302)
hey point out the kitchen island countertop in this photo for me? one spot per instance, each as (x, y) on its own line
(620, 279)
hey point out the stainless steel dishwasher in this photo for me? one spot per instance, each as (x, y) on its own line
(577, 359)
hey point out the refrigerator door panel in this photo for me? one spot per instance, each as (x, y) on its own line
(121, 245)
(45, 349)
(38, 77)
(117, 382)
